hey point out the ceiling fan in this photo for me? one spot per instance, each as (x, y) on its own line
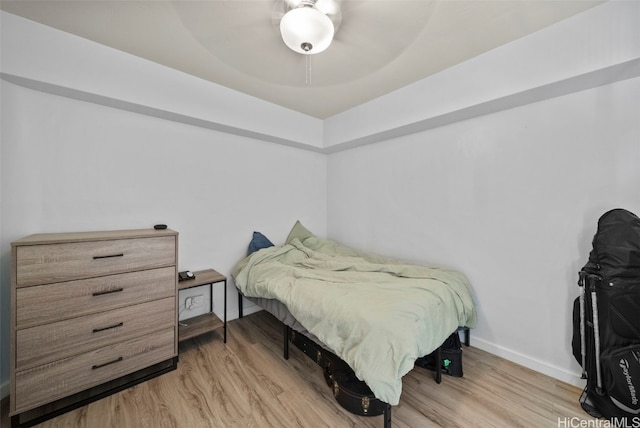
(246, 37)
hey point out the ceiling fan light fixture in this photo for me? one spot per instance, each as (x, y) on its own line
(306, 30)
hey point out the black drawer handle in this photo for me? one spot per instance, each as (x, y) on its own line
(97, 366)
(114, 290)
(108, 257)
(96, 330)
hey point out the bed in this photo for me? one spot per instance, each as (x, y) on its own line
(376, 313)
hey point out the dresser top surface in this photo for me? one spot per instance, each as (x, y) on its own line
(49, 238)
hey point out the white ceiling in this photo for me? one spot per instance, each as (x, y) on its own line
(380, 45)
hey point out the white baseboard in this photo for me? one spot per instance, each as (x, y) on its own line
(251, 308)
(248, 308)
(4, 390)
(531, 363)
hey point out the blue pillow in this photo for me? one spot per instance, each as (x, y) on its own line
(258, 242)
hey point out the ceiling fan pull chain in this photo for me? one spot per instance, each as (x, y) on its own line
(308, 70)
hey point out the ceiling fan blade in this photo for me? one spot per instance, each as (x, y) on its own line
(372, 35)
(257, 50)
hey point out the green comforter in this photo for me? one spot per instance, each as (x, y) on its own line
(377, 314)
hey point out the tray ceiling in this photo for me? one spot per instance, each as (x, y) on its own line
(380, 46)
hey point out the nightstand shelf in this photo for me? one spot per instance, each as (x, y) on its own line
(196, 326)
(209, 321)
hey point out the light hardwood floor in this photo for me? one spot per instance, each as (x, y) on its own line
(247, 383)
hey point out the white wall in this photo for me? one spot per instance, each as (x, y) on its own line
(71, 165)
(570, 55)
(75, 166)
(512, 195)
(511, 199)
(72, 64)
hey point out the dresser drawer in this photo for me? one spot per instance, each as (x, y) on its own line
(44, 384)
(43, 304)
(46, 343)
(45, 264)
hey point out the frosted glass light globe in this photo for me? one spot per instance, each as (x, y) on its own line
(306, 30)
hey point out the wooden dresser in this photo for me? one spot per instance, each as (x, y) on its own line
(89, 310)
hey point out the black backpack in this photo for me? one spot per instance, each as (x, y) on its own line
(606, 320)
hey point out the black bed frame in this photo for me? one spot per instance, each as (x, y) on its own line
(323, 358)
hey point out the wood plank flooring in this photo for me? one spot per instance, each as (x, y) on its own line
(247, 383)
